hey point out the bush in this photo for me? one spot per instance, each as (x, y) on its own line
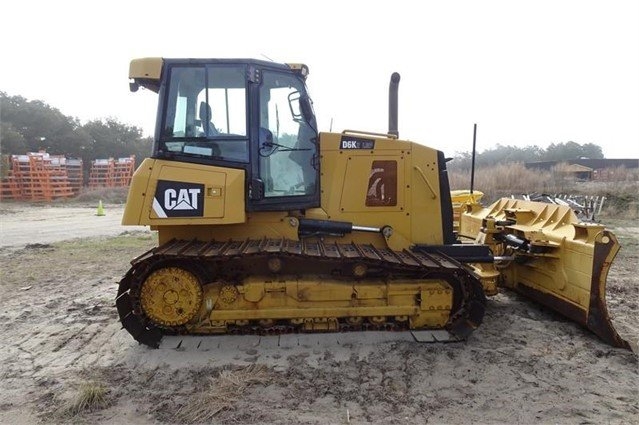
(505, 180)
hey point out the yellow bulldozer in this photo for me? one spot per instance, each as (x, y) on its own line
(266, 225)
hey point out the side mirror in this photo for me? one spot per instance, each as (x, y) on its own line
(294, 105)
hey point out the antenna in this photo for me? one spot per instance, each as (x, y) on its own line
(330, 130)
(472, 164)
(262, 54)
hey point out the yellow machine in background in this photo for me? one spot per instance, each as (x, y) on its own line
(460, 199)
(266, 225)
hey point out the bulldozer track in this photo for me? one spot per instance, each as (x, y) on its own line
(238, 259)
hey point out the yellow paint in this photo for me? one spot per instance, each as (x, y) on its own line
(318, 304)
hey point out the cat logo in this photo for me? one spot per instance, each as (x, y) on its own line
(183, 199)
(178, 199)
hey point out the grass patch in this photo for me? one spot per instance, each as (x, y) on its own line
(89, 397)
(127, 239)
(91, 247)
(221, 393)
(104, 258)
(504, 180)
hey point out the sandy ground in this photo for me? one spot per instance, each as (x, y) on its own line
(21, 225)
(61, 336)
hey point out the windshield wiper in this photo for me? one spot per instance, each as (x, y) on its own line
(282, 148)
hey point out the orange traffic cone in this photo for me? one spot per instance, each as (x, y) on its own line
(100, 209)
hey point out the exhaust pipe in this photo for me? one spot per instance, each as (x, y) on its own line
(393, 89)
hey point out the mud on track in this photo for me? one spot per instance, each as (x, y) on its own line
(523, 365)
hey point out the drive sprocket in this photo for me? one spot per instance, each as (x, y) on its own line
(171, 296)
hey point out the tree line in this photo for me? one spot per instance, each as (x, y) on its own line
(33, 125)
(510, 154)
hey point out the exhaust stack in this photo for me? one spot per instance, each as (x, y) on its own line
(393, 90)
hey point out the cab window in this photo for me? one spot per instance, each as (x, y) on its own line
(206, 112)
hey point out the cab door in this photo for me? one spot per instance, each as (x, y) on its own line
(287, 163)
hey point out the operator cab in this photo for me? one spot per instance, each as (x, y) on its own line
(246, 114)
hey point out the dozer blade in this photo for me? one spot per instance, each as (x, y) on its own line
(555, 260)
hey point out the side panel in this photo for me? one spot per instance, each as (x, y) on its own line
(363, 181)
(406, 196)
(164, 193)
(426, 196)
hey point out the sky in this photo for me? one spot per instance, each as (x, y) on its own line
(527, 72)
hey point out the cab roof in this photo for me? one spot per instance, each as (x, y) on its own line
(147, 72)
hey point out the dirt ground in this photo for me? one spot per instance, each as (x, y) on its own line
(62, 341)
